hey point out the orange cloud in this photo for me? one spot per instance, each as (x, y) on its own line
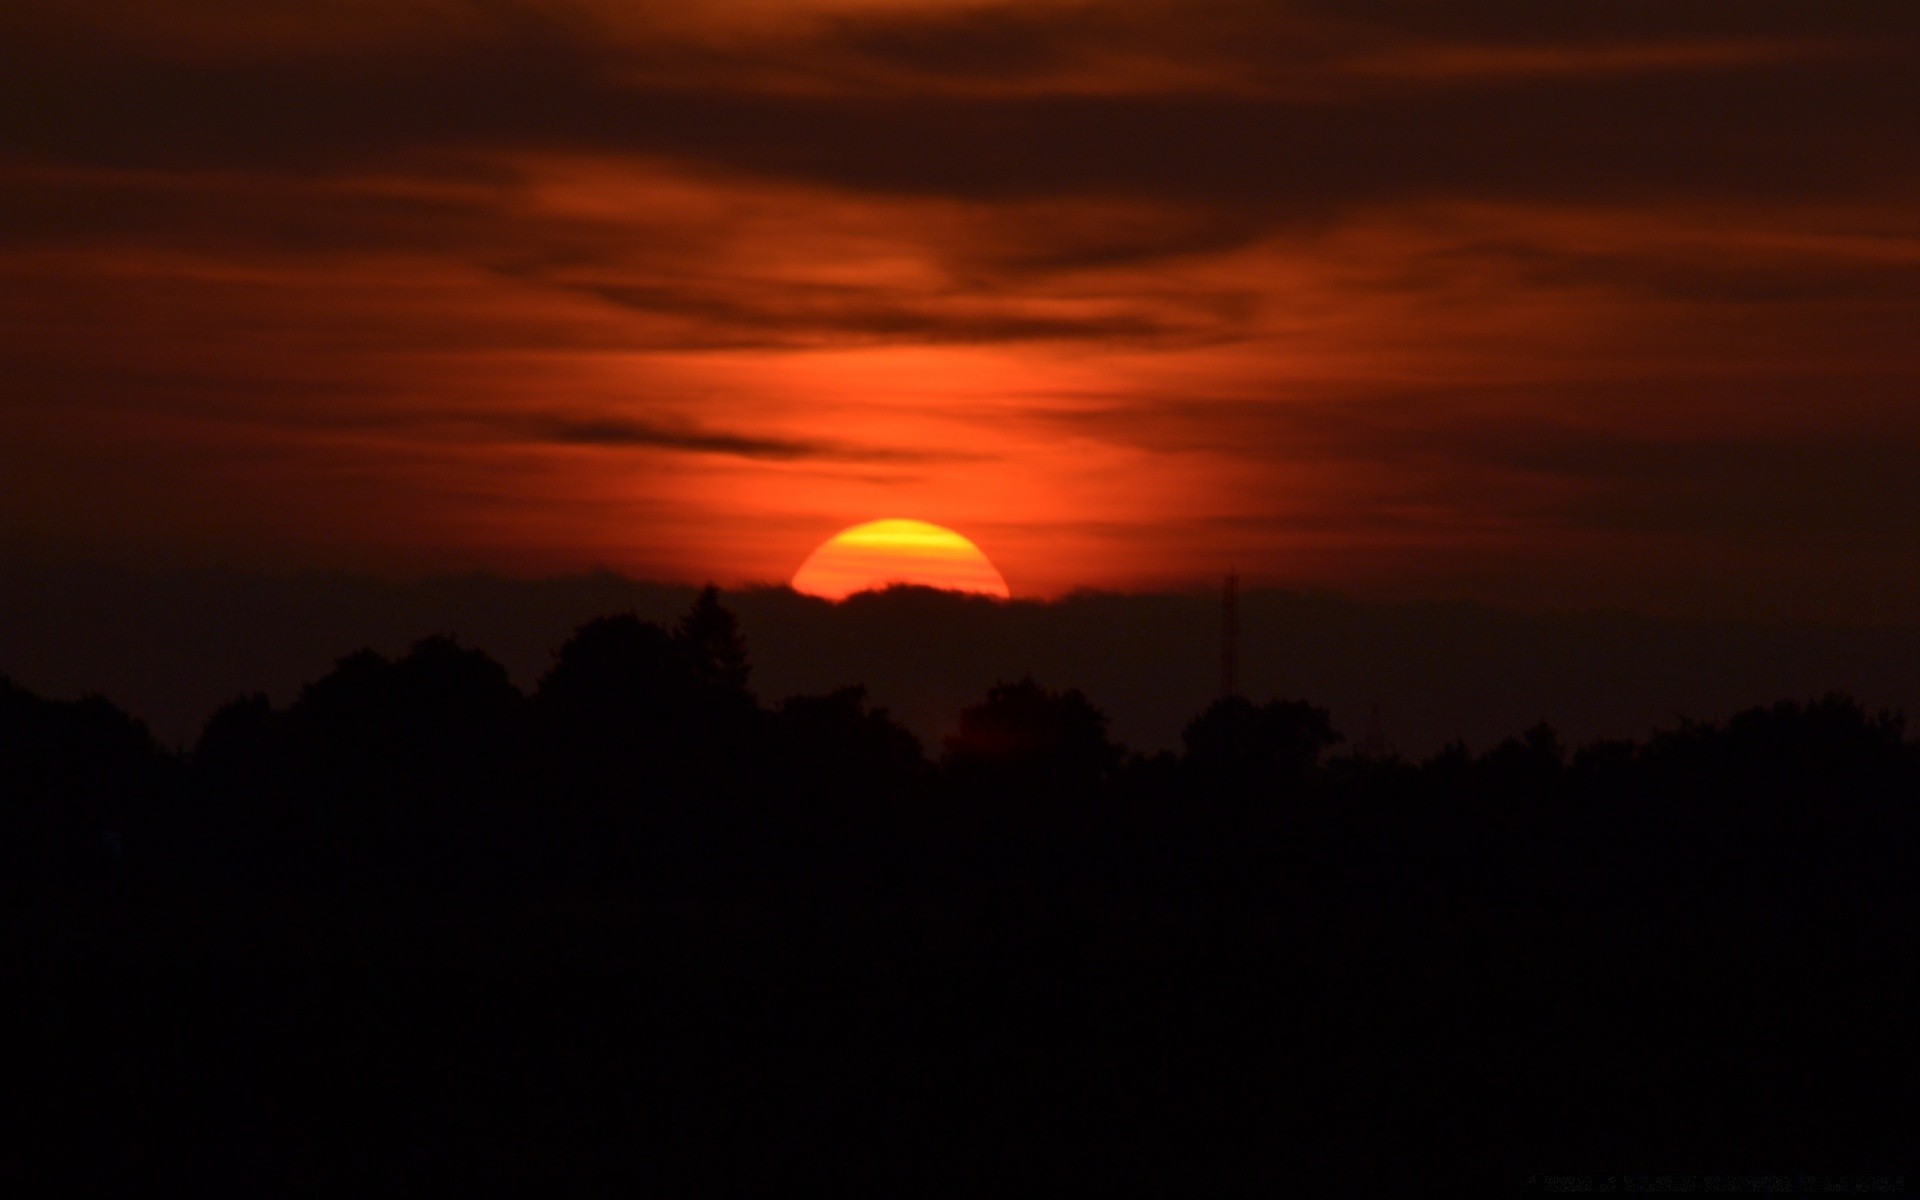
(1545, 304)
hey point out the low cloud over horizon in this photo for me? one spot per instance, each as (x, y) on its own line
(1507, 302)
(172, 646)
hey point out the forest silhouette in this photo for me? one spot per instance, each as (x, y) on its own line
(418, 928)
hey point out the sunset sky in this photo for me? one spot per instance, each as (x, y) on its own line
(1541, 304)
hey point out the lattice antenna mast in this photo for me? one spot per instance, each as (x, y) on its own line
(1230, 636)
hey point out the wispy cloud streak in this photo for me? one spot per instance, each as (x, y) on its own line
(1484, 298)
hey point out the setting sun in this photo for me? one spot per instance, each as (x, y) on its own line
(879, 554)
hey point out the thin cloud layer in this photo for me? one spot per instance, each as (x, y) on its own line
(1497, 300)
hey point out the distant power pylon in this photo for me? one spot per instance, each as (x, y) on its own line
(1230, 637)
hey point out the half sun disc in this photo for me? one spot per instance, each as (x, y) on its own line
(880, 554)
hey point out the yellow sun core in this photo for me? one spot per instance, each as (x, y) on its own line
(883, 553)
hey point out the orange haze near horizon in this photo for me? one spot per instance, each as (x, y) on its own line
(1539, 304)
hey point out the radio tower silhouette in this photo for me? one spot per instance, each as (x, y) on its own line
(1230, 637)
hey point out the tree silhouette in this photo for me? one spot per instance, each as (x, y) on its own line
(621, 669)
(651, 746)
(415, 899)
(1241, 748)
(387, 769)
(840, 744)
(1528, 766)
(1039, 737)
(75, 778)
(711, 634)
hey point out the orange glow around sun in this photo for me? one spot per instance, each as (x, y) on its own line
(882, 553)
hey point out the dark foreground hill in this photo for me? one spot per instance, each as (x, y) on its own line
(420, 929)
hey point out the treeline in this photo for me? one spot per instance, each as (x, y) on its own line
(637, 925)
